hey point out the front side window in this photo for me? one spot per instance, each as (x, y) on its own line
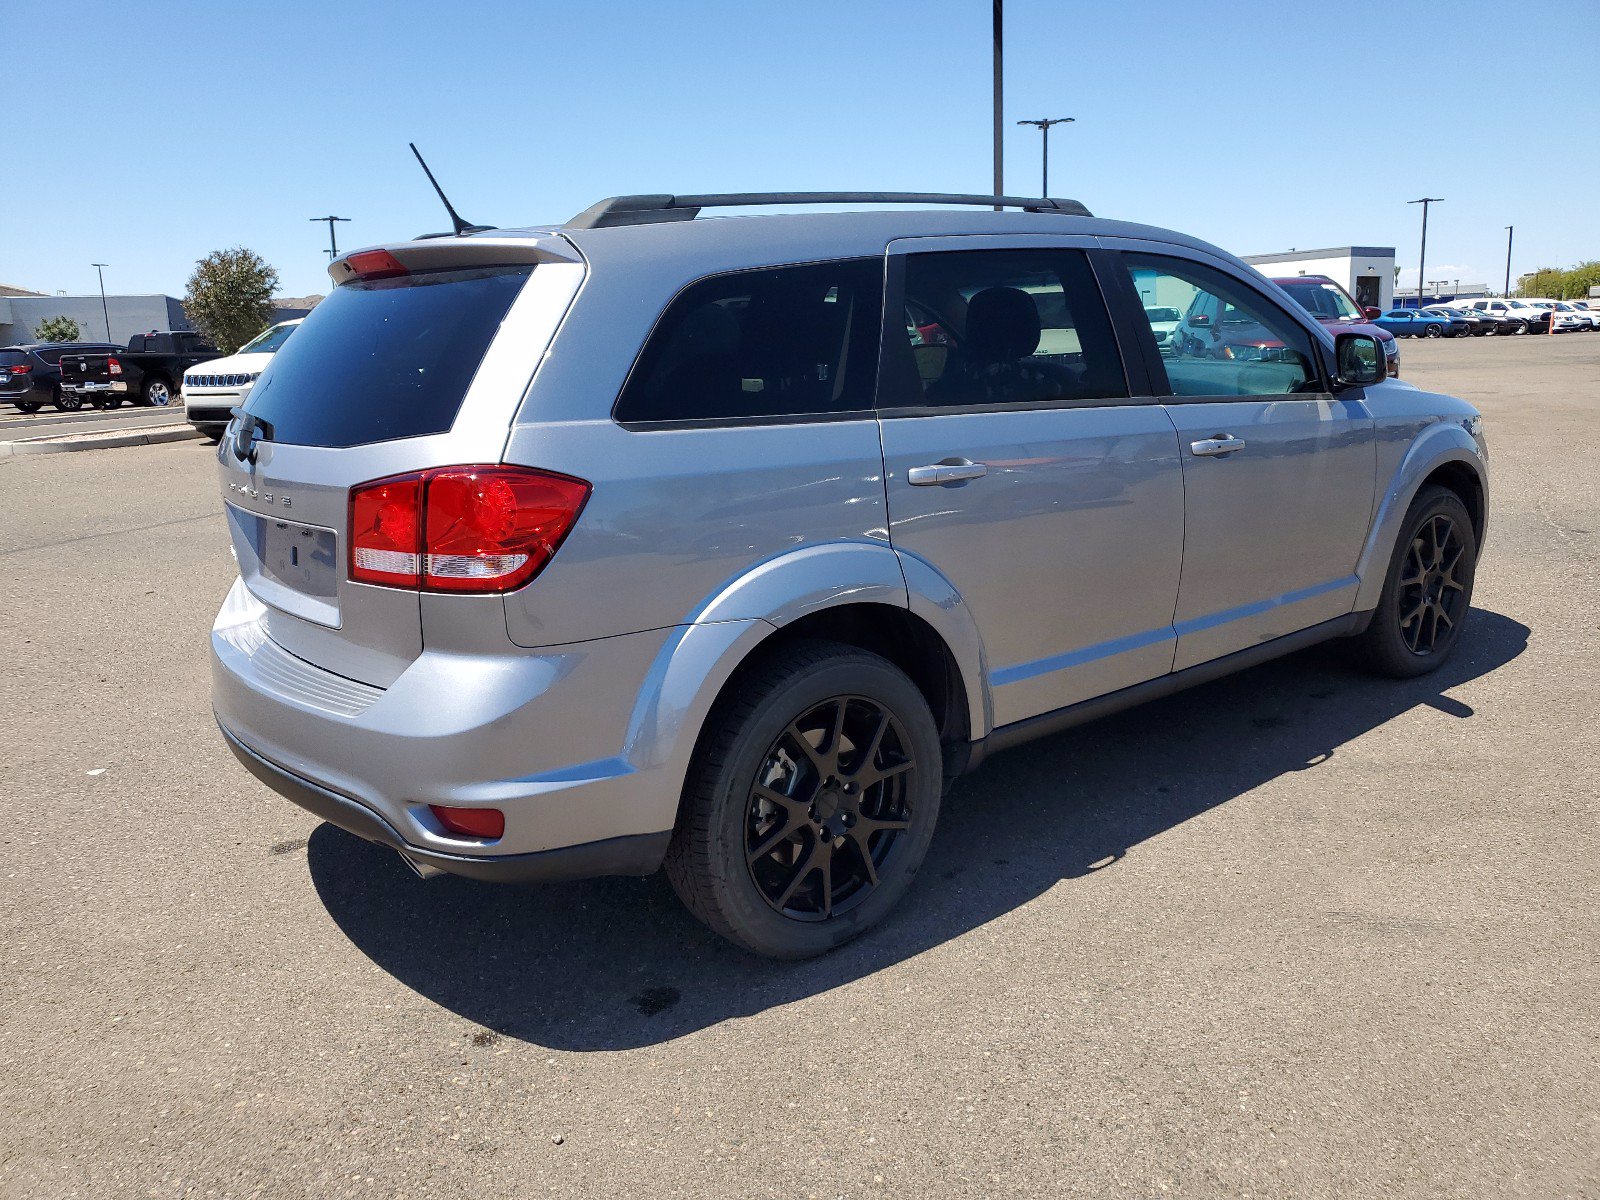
(1326, 300)
(1232, 341)
(999, 327)
(782, 341)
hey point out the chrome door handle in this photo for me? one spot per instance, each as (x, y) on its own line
(952, 470)
(1223, 443)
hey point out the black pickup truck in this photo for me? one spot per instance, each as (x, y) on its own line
(149, 371)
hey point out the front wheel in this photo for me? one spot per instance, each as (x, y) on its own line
(1520, 328)
(1428, 589)
(810, 803)
(157, 392)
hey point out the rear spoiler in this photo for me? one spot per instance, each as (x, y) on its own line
(442, 254)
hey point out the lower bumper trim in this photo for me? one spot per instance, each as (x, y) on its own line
(635, 854)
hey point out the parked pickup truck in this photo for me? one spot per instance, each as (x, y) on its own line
(147, 372)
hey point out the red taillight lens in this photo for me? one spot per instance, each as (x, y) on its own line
(385, 532)
(22, 369)
(490, 529)
(113, 366)
(461, 529)
(485, 823)
(375, 264)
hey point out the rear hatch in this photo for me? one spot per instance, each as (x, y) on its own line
(417, 359)
(16, 372)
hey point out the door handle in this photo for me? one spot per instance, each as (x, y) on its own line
(951, 470)
(1211, 447)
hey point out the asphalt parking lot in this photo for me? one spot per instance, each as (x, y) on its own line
(1300, 932)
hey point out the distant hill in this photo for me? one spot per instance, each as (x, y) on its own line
(304, 302)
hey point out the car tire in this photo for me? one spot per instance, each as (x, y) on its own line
(1429, 581)
(29, 406)
(156, 392)
(1432, 331)
(108, 402)
(781, 846)
(67, 402)
(1521, 328)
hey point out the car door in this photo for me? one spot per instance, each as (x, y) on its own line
(1028, 467)
(1279, 474)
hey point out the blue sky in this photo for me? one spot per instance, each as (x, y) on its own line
(161, 132)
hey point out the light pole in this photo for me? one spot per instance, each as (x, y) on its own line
(1510, 232)
(1043, 125)
(1422, 258)
(333, 242)
(999, 158)
(99, 269)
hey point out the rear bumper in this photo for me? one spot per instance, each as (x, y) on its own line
(91, 389)
(547, 737)
(639, 854)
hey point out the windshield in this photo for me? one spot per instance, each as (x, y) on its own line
(1162, 314)
(268, 340)
(381, 359)
(1324, 300)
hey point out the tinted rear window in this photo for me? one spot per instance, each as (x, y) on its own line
(12, 358)
(385, 358)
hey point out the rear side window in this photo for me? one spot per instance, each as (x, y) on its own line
(1006, 327)
(776, 342)
(383, 359)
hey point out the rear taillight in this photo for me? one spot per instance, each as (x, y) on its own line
(113, 366)
(461, 529)
(21, 369)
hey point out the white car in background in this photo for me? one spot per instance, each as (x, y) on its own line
(213, 389)
(1164, 324)
(1563, 317)
(1589, 310)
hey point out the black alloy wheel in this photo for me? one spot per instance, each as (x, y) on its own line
(1432, 598)
(28, 406)
(1433, 331)
(829, 804)
(1427, 591)
(68, 402)
(811, 800)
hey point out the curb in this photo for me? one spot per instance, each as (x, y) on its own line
(111, 441)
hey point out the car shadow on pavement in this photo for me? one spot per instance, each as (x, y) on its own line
(617, 963)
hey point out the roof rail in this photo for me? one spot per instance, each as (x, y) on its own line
(649, 210)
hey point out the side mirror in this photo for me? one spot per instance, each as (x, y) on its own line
(1372, 312)
(1360, 361)
(1200, 321)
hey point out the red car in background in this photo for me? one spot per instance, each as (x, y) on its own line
(1332, 305)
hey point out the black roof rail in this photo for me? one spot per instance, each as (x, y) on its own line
(649, 210)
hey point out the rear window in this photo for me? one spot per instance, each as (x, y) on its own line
(383, 359)
(771, 343)
(12, 358)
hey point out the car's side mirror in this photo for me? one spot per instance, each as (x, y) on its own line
(1372, 312)
(1360, 361)
(1199, 321)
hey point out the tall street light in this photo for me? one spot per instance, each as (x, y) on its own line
(333, 242)
(1422, 259)
(1510, 232)
(99, 269)
(1043, 126)
(999, 159)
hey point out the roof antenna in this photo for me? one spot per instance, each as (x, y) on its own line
(455, 217)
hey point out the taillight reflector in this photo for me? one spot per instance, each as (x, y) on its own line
(486, 823)
(461, 529)
(113, 366)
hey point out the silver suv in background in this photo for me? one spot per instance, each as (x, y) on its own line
(727, 543)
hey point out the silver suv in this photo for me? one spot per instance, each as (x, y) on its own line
(728, 543)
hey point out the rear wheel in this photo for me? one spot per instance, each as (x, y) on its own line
(810, 803)
(1520, 328)
(29, 406)
(67, 401)
(109, 400)
(157, 392)
(1428, 589)
(1433, 331)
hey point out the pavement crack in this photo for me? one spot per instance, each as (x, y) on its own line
(105, 533)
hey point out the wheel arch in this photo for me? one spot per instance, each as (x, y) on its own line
(1445, 455)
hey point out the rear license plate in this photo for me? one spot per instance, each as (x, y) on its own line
(301, 557)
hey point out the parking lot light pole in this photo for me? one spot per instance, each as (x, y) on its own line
(1043, 125)
(333, 242)
(1510, 232)
(1422, 258)
(99, 269)
(999, 155)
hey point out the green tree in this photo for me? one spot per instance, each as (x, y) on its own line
(1545, 282)
(1577, 281)
(57, 329)
(229, 297)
